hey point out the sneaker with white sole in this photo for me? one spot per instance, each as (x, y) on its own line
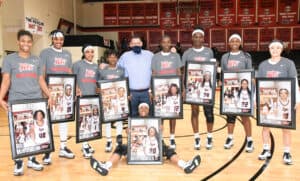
(249, 146)
(99, 167)
(228, 143)
(172, 144)
(197, 144)
(108, 147)
(47, 159)
(287, 158)
(193, 164)
(35, 165)
(19, 169)
(66, 153)
(119, 140)
(91, 149)
(209, 143)
(86, 152)
(264, 154)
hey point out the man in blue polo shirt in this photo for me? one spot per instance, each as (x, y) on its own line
(137, 66)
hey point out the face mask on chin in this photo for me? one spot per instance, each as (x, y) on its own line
(137, 49)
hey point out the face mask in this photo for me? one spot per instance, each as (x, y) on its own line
(137, 49)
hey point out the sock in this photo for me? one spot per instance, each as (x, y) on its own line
(172, 137)
(196, 135)
(249, 138)
(209, 135)
(63, 131)
(108, 165)
(85, 144)
(287, 149)
(108, 130)
(119, 127)
(63, 144)
(108, 139)
(266, 147)
(230, 136)
(181, 164)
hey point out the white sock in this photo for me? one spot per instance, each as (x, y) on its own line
(266, 147)
(196, 135)
(287, 149)
(249, 138)
(119, 125)
(181, 164)
(230, 136)
(108, 139)
(63, 131)
(108, 130)
(85, 144)
(108, 165)
(63, 144)
(209, 135)
(172, 137)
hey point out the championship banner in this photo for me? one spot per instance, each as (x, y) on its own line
(185, 39)
(110, 14)
(125, 14)
(173, 35)
(266, 35)
(218, 39)
(168, 17)
(233, 30)
(284, 34)
(226, 12)
(246, 12)
(287, 12)
(266, 12)
(124, 38)
(207, 14)
(296, 38)
(187, 14)
(206, 38)
(250, 39)
(138, 13)
(154, 40)
(34, 25)
(151, 13)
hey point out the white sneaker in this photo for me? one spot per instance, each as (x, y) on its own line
(86, 152)
(108, 147)
(47, 159)
(209, 143)
(172, 144)
(229, 143)
(66, 153)
(197, 144)
(287, 158)
(264, 154)
(32, 163)
(249, 146)
(19, 169)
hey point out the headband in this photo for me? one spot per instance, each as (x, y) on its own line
(276, 42)
(198, 31)
(143, 104)
(57, 35)
(237, 36)
(87, 48)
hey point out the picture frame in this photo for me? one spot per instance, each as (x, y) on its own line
(63, 91)
(88, 118)
(275, 102)
(30, 128)
(114, 99)
(166, 104)
(196, 90)
(140, 151)
(237, 92)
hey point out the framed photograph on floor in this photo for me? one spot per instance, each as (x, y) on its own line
(276, 102)
(30, 128)
(167, 97)
(200, 83)
(237, 93)
(114, 99)
(144, 141)
(88, 122)
(63, 90)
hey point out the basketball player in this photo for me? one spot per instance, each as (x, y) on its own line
(151, 144)
(202, 54)
(237, 59)
(166, 62)
(41, 132)
(68, 100)
(95, 120)
(22, 78)
(121, 150)
(244, 95)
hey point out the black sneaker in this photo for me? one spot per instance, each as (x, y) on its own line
(18, 170)
(249, 146)
(287, 158)
(35, 165)
(264, 154)
(108, 147)
(91, 150)
(172, 144)
(98, 167)
(47, 159)
(119, 140)
(229, 143)
(209, 143)
(197, 144)
(66, 153)
(86, 153)
(193, 164)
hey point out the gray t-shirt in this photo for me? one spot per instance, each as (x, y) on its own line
(166, 64)
(24, 75)
(87, 75)
(56, 62)
(191, 55)
(238, 61)
(108, 74)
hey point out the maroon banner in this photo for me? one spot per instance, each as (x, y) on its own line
(187, 14)
(288, 12)
(234, 30)
(138, 14)
(143, 35)
(206, 38)
(124, 37)
(155, 37)
(185, 37)
(296, 38)
(266, 35)
(151, 12)
(246, 12)
(284, 34)
(168, 17)
(218, 39)
(226, 12)
(250, 39)
(125, 13)
(110, 14)
(266, 12)
(173, 35)
(207, 14)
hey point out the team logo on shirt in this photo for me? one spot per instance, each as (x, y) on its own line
(200, 59)
(233, 63)
(89, 73)
(272, 74)
(25, 67)
(166, 65)
(59, 61)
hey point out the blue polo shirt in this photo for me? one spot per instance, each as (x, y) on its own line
(137, 68)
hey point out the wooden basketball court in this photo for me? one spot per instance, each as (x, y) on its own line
(217, 164)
